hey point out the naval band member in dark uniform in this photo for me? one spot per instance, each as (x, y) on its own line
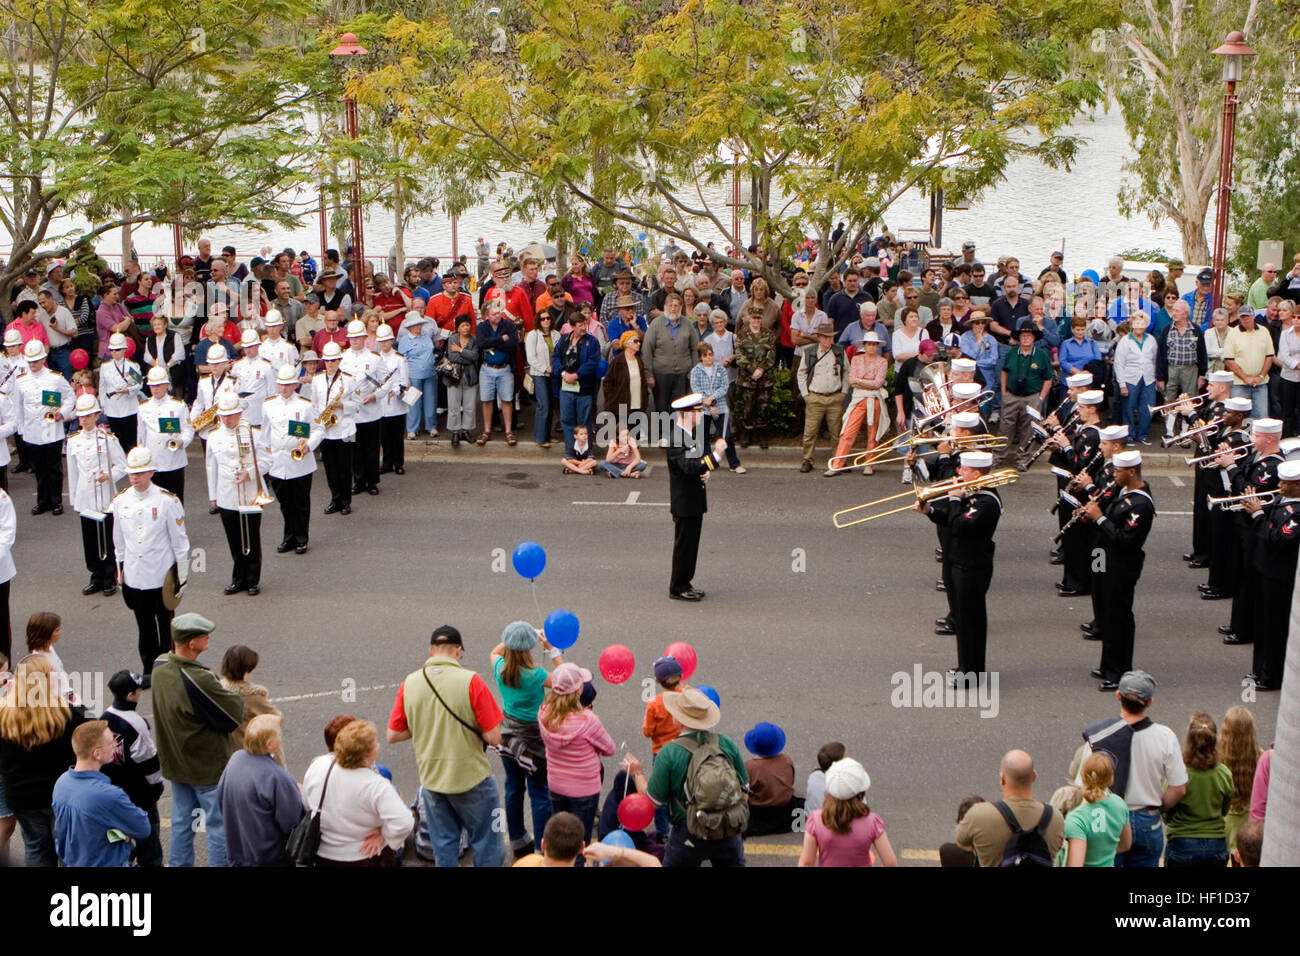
(1276, 531)
(689, 466)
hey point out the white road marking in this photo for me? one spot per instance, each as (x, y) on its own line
(632, 496)
(630, 501)
(1178, 482)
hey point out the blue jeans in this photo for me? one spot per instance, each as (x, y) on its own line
(475, 811)
(721, 426)
(1148, 839)
(1187, 852)
(61, 360)
(195, 808)
(575, 409)
(1137, 408)
(1258, 395)
(428, 405)
(616, 471)
(684, 850)
(517, 781)
(37, 827)
(584, 808)
(542, 417)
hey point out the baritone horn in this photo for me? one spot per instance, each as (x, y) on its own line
(248, 462)
(940, 489)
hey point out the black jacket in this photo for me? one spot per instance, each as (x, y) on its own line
(1277, 541)
(686, 493)
(1123, 530)
(971, 522)
(29, 775)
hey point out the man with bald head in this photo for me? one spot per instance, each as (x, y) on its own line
(985, 829)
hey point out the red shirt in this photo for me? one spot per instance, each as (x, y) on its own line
(444, 309)
(396, 299)
(787, 313)
(322, 336)
(230, 332)
(520, 305)
(486, 710)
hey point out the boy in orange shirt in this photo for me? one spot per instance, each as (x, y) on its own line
(660, 727)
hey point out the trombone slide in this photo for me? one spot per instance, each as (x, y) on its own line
(940, 489)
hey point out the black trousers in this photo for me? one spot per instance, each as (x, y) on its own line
(294, 495)
(971, 586)
(1120, 628)
(247, 569)
(1271, 620)
(124, 429)
(950, 589)
(1225, 560)
(336, 457)
(4, 476)
(1242, 621)
(392, 440)
(365, 462)
(1289, 392)
(1201, 514)
(173, 481)
(669, 386)
(686, 547)
(7, 635)
(47, 466)
(1076, 557)
(20, 451)
(103, 570)
(1097, 582)
(153, 622)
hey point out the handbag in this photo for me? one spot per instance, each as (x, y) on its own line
(449, 370)
(303, 841)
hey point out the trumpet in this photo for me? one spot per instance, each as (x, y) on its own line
(940, 489)
(1234, 503)
(1204, 461)
(1195, 400)
(54, 416)
(1182, 438)
(300, 450)
(248, 462)
(912, 442)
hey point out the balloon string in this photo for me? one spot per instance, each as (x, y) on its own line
(536, 605)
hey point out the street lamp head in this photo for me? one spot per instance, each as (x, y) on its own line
(348, 46)
(1233, 49)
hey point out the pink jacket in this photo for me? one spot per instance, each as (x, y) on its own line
(573, 754)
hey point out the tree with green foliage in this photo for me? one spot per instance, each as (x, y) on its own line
(1160, 69)
(1266, 200)
(616, 114)
(132, 111)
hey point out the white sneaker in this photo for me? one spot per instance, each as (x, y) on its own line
(739, 470)
(907, 474)
(410, 436)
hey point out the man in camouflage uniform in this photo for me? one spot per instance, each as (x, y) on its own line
(755, 376)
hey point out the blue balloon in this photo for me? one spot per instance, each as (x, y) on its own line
(529, 559)
(561, 629)
(619, 838)
(710, 693)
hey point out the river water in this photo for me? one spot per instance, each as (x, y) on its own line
(1033, 212)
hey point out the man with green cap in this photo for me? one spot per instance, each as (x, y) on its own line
(194, 716)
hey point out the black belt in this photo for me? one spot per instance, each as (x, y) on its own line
(823, 393)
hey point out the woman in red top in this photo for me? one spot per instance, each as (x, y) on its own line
(867, 376)
(392, 302)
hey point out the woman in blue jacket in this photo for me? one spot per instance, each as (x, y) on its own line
(415, 344)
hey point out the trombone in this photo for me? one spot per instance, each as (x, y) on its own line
(1204, 461)
(248, 462)
(912, 442)
(940, 489)
(103, 463)
(1183, 438)
(1234, 503)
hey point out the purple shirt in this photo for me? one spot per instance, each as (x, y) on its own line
(846, 849)
(107, 316)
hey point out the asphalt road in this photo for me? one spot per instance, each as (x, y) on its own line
(804, 625)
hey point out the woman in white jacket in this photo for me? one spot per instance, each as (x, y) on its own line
(1135, 372)
(538, 346)
(363, 819)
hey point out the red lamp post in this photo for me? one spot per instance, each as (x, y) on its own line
(349, 47)
(1232, 51)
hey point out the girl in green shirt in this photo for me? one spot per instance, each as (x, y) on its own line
(1194, 828)
(1098, 828)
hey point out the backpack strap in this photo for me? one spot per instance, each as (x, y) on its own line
(1010, 817)
(1045, 821)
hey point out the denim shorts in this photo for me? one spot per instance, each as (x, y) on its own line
(494, 383)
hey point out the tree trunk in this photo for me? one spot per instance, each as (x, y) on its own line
(1282, 822)
(561, 241)
(399, 233)
(1196, 250)
(126, 240)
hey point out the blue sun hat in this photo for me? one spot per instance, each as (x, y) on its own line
(765, 740)
(519, 636)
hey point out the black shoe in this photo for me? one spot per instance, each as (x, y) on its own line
(1198, 563)
(40, 510)
(345, 510)
(1225, 629)
(1056, 558)
(804, 468)
(938, 554)
(213, 511)
(685, 595)
(1092, 635)
(22, 469)
(110, 590)
(283, 546)
(1267, 685)
(301, 549)
(57, 510)
(385, 469)
(373, 490)
(1253, 678)
(455, 439)
(90, 588)
(1088, 626)
(1188, 556)
(1097, 674)
(333, 507)
(1108, 685)
(254, 590)
(399, 470)
(940, 586)
(944, 629)
(357, 489)
(1067, 592)
(1233, 640)
(762, 443)
(1204, 588)
(233, 589)
(1214, 596)
(943, 622)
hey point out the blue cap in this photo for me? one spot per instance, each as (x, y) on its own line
(765, 740)
(667, 667)
(1090, 274)
(519, 636)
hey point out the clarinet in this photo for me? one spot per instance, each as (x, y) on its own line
(1046, 441)
(1078, 512)
(1087, 466)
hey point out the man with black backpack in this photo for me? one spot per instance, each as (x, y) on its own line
(1016, 830)
(701, 778)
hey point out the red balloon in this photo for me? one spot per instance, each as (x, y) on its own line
(685, 655)
(636, 811)
(130, 347)
(78, 359)
(616, 664)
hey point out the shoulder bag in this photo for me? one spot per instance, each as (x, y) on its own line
(303, 841)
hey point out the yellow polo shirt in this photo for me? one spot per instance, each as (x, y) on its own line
(1248, 349)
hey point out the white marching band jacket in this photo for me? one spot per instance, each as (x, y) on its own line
(278, 442)
(89, 451)
(149, 536)
(152, 417)
(120, 387)
(34, 391)
(360, 365)
(332, 388)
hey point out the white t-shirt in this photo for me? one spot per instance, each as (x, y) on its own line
(1155, 758)
(909, 345)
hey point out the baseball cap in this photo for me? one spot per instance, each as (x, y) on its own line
(1137, 684)
(126, 682)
